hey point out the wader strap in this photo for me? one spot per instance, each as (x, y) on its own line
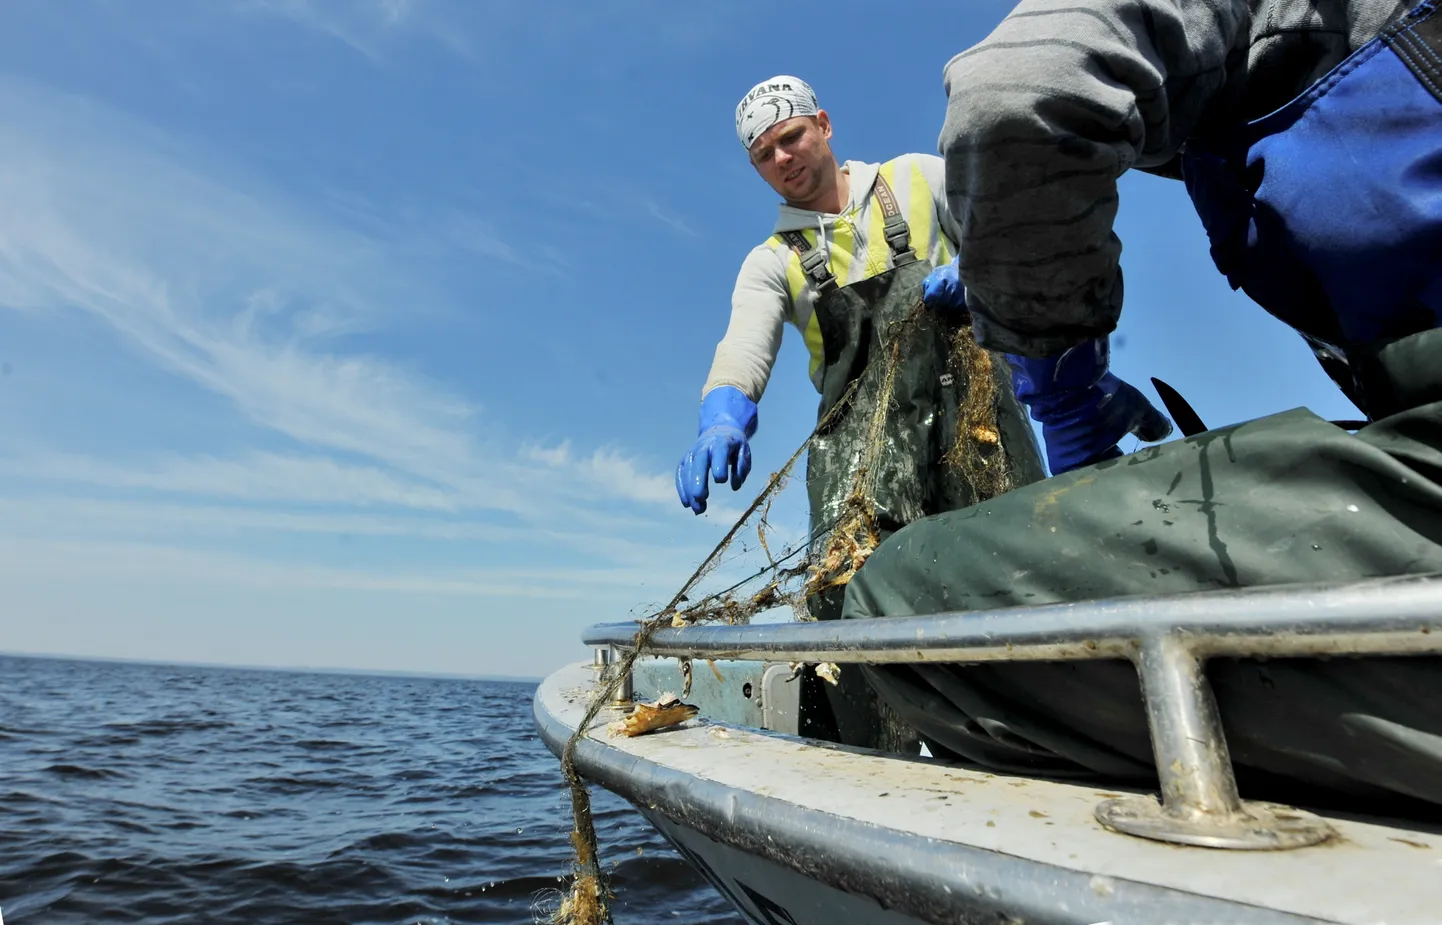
(895, 229)
(814, 261)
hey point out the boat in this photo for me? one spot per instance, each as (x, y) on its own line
(797, 831)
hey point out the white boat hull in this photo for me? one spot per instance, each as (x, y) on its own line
(768, 893)
(795, 831)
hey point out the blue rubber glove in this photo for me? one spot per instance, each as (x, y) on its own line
(942, 289)
(1083, 409)
(728, 418)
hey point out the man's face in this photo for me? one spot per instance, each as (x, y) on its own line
(795, 157)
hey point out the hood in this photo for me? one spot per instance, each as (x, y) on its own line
(863, 178)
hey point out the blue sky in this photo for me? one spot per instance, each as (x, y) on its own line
(367, 334)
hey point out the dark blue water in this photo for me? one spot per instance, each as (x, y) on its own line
(164, 794)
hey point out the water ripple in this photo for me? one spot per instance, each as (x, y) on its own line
(163, 794)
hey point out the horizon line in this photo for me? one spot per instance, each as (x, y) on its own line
(293, 669)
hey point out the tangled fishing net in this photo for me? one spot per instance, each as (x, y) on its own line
(795, 575)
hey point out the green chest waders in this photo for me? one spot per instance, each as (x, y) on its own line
(859, 326)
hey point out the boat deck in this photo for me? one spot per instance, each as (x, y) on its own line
(925, 840)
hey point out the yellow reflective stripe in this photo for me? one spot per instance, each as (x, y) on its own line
(843, 242)
(922, 217)
(796, 286)
(795, 278)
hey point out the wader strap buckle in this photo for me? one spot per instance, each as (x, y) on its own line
(813, 261)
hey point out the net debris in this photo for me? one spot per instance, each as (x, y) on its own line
(667, 711)
(825, 559)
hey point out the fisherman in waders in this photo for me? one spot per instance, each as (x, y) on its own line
(1309, 136)
(845, 264)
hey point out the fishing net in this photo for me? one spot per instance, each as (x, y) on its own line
(798, 573)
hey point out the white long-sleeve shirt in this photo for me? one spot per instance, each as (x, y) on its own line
(771, 288)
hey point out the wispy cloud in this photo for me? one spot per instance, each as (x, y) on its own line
(473, 235)
(606, 469)
(670, 221)
(609, 204)
(288, 440)
(168, 520)
(267, 477)
(224, 288)
(145, 563)
(231, 289)
(467, 27)
(364, 25)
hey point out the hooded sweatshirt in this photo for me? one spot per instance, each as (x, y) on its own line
(1062, 98)
(771, 289)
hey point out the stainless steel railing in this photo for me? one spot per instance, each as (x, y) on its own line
(1167, 638)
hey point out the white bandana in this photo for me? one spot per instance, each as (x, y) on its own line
(770, 102)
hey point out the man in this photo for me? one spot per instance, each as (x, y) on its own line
(845, 264)
(1309, 135)
(831, 233)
